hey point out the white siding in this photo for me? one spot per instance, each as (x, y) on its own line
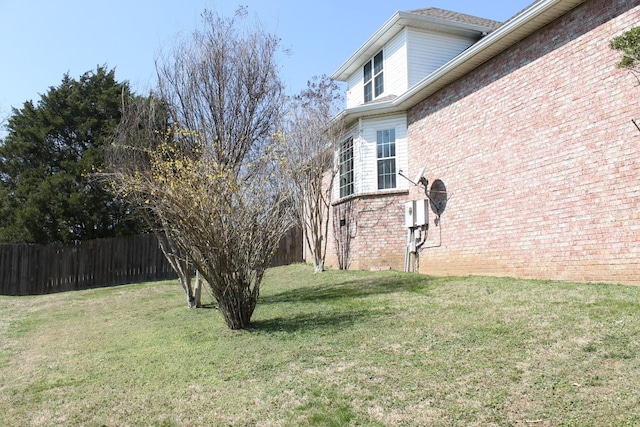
(395, 72)
(408, 58)
(365, 162)
(427, 51)
(395, 65)
(366, 169)
(355, 89)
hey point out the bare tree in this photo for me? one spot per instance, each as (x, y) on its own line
(214, 182)
(143, 130)
(312, 132)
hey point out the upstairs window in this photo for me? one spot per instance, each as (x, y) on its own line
(346, 168)
(386, 145)
(373, 78)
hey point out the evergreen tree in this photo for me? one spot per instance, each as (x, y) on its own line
(47, 193)
(629, 44)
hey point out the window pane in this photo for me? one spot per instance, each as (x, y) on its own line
(386, 174)
(377, 63)
(386, 143)
(367, 72)
(368, 95)
(379, 84)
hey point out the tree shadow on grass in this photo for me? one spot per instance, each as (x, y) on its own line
(334, 320)
(336, 315)
(351, 289)
(210, 306)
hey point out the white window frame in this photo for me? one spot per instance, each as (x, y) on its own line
(346, 172)
(373, 77)
(386, 158)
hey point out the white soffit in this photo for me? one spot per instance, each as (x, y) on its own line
(527, 22)
(531, 19)
(392, 27)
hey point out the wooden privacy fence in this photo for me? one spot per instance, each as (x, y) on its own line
(27, 269)
(42, 269)
(289, 249)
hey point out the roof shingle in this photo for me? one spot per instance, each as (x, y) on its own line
(457, 17)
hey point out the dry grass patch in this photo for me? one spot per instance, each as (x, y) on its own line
(338, 348)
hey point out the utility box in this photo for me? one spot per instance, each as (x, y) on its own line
(416, 213)
(421, 213)
(409, 214)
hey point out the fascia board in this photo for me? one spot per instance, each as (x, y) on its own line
(393, 26)
(341, 73)
(514, 30)
(350, 114)
(521, 26)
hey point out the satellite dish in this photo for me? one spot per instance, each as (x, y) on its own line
(438, 197)
(416, 180)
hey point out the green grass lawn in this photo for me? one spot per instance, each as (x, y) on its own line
(332, 349)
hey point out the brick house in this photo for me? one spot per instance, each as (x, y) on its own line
(526, 123)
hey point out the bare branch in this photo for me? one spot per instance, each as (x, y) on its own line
(201, 161)
(309, 144)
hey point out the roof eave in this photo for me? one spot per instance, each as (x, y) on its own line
(339, 74)
(514, 30)
(349, 115)
(393, 26)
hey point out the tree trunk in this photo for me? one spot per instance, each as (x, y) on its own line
(181, 266)
(236, 314)
(194, 292)
(236, 301)
(318, 262)
(197, 290)
(318, 247)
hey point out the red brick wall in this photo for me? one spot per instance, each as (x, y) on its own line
(368, 232)
(539, 156)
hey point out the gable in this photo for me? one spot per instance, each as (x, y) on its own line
(409, 57)
(526, 22)
(429, 50)
(395, 75)
(432, 19)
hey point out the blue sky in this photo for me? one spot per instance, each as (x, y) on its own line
(41, 40)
